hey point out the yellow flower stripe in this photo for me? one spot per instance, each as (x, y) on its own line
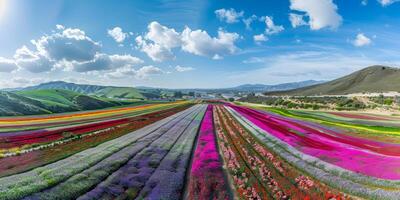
(90, 114)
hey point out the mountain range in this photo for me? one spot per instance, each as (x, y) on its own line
(59, 96)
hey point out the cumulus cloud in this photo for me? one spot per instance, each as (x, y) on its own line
(271, 27)
(198, 42)
(123, 60)
(70, 44)
(229, 15)
(100, 62)
(60, 27)
(32, 61)
(260, 38)
(158, 42)
(7, 65)
(179, 68)
(146, 71)
(387, 2)
(361, 40)
(297, 20)
(69, 50)
(155, 51)
(122, 72)
(321, 13)
(117, 34)
(248, 21)
(129, 71)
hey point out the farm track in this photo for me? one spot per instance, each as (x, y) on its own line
(118, 166)
(28, 183)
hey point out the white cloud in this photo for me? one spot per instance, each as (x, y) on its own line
(101, 62)
(128, 71)
(297, 20)
(32, 61)
(271, 27)
(260, 38)
(146, 71)
(229, 15)
(155, 51)
(60, 27)
(322, 13)
(247, 21)
(7, 65)
(387, 2)
(123, 60)
(179, 68)
(198, 42)
(361, 40)
(158, 42)
(162, 35)
(68, 50)
(70, 44)
(117, 34)
(122, 72)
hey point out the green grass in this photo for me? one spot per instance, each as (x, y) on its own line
(51, 96)
(48, 101)
(122, 93)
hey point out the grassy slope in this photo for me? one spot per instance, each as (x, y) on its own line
(370, 79)
(52, 101)
(97, 90)
(123, 93)
(14, 104)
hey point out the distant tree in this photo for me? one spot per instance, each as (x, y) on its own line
(388, 101)
(231, 99)
(191, 94)
(178, 94)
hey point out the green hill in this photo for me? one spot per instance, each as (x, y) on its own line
(51, 101)
(14, 104)
(120, 93)
(97, 90)
(370, 79)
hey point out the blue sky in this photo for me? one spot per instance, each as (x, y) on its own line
(202, 44)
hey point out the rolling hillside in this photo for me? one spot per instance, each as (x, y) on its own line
(96, 90)
(51, 101)
(370, 79)
(14, 104)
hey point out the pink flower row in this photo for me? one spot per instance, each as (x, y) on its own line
(366, 157)
(206, 176)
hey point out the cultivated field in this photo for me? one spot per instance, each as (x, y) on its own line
(183, 150)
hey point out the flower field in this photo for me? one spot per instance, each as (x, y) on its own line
(183, 150)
